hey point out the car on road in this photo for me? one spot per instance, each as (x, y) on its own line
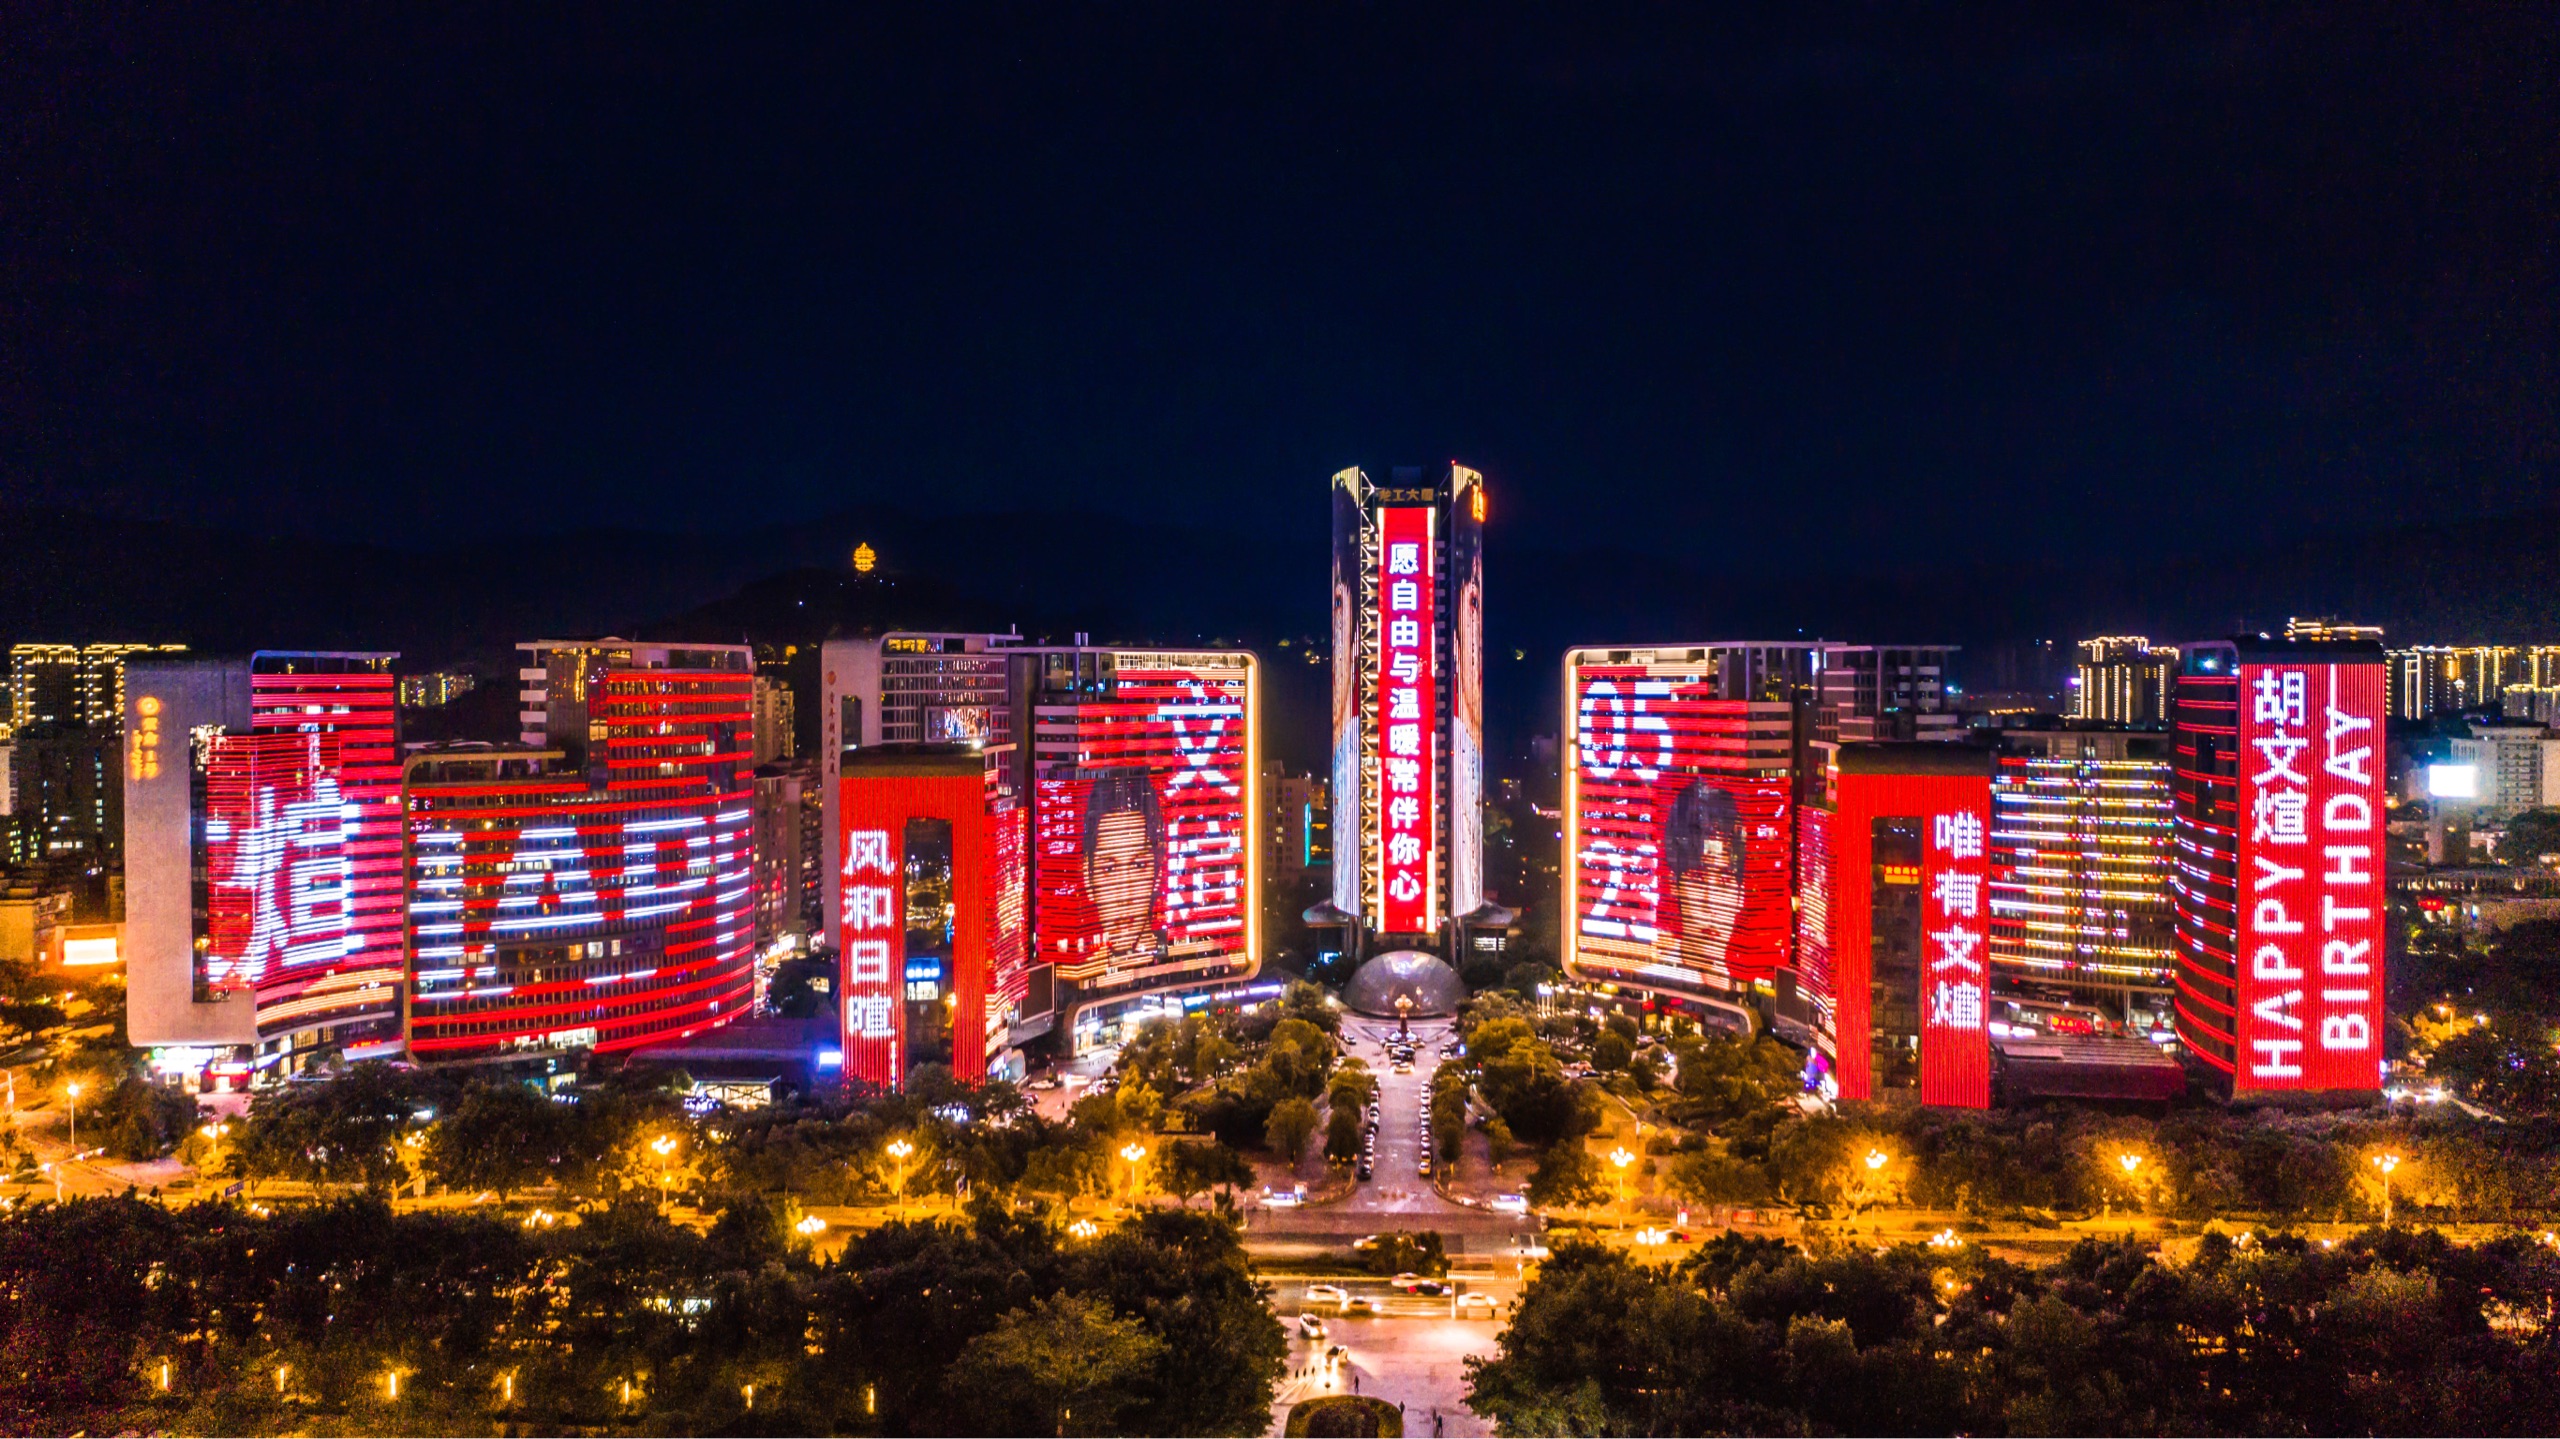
(1358, 1308)
(1327, 1294)
(1416, 1284)
(1510, 1204)
(1404, 1066)
(1366, 1241)
(1366, 1169)
(1475, 1304)
(1310, 1326)
(1283, 1198)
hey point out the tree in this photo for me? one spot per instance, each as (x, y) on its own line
(1342, 1135)
(1611, 1052)
(1064, 1365)
(1192, 1168)
(1567, 1175)
(2530, 836)
(497, 1136)
(1292, 1121)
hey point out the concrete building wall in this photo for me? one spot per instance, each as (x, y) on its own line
(174, 697)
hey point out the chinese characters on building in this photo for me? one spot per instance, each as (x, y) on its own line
(874, 946)
(2310, 881)
(1955, 1055)
(1407, 749)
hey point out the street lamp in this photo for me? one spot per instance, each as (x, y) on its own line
(2386, 1163)
(899, 1149)
(1134, 1152)
(74, 1089)
(665, 1147)
(1621, 1158)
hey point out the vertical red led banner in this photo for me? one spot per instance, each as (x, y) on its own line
(873, 947)
(2310, 936)
(1955, 981)
(1408, 782)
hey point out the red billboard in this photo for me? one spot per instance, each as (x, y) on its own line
(1140, 845)
(1955, 988)
(2310, 911)
(1680, 850)
(277, 866)
(1407, 854)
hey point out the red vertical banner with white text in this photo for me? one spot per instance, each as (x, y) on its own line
(1408, 782)
(1955, 981)
(2310, 905)
(874, 943)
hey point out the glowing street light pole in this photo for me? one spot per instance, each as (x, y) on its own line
(1621, 1158)
(73, 1088)
(2386, 1163)
(899, 1149)
(665, 1145)
(1876, 1160)
(1135, 1153)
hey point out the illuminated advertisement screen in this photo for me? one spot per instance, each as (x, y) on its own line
(1466, 694)
(2310, 940)
(1816, 974)
(1680, 864)
(878, 819)
(1348, 525)
(1140, 844)
(1955, 987)
(1407, 847)
(278, 871)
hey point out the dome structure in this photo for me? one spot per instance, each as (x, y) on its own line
(1426, 979)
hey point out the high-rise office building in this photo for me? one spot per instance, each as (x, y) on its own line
(66, 794)
(2515, 767)
(776, 714)
(1295, 825)
(1883, 692)
(1679, 827)
(593, 891)
(263, 862)
(1408, 712)
(2278, 885)
(2329, 629)
(2430, 680)
(2124, 679)
(2080, 902)
(72, 684)
(936, 900)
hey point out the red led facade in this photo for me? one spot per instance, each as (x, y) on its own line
(1141, 846)
(2280, 864)
(1927, 1007)
(876, 803)
(1407, 856)
(301, 836)
(1681, 864)
(604, 908)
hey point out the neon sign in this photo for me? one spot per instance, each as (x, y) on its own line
(1408, 788)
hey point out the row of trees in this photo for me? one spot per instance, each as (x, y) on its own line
(2392, 1332)
(2198, 1164)
(348, 1317)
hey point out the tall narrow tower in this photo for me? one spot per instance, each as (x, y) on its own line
(1408, 712)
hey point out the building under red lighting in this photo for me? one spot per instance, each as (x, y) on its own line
(1903, 845)
(264, 884)
(2279, 864)
(933, 889)
(594, 891)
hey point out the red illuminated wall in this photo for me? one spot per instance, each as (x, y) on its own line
(302, 849)
(873, 811)
(2310, 902)
(1161, 890)
(1407, 853)
(1681, 865)
(1954, 811)
(607, 914)
(1816, 968)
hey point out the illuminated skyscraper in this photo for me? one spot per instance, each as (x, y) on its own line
(262, 861)
(2278, 836)
(2080, 862)
(2125, 679)
(1408, 711)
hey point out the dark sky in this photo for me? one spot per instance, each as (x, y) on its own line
(1886, 278)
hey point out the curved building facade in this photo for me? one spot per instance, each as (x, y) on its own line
(595, 892)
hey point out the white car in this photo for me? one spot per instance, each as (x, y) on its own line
(1475, 1304)
(1310, 1326)
(1281, 1199)
(1333, 1294)
(1510, 1204)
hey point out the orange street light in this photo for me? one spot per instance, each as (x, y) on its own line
(899, 1149)
(2386, 1163)
(1621, 1158)
(1135, 1153)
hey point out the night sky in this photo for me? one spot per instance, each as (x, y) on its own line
(1874, 280)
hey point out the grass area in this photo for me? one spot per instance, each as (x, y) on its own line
(1350, 1416)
